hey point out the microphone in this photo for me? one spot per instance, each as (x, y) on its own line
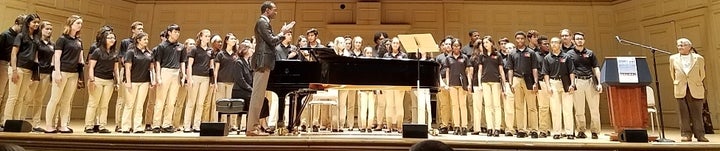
(618, 39)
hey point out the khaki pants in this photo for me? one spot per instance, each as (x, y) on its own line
(208, 103)
(509, 110)
(491, 98)
(477, 103)
(543, 98)
(224, 91)
(444, 109)
(561, 107)
(38, 97)
(526, 114)
(366, 101)
(179, 106)
(422, 111)
(394, 107)
(458, 102)
(16, 96)
(4, 77)
(347, 103)
(98, 100)
(380, 107)
(586, 91)
(61, 97)
(120, 100)
(165, 96)
(150, 105)
(134, 100)
(195, 100)
(260, 80)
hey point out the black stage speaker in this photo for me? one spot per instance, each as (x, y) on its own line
(17, 126)
(214, 129)
(415, 131)
(634, 135)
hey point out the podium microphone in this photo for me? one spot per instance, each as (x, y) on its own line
(618, 39)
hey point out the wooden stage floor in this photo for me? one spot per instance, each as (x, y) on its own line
(347, 141)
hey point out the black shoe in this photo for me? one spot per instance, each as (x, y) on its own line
(362, 130)
(497, 133)
(168, 130)
(556, 136)
(187, 131)
(490, 133)
(476, 133)
(483, 130)
(138, 132)
(126, 132)
(156, 130)
(456, 131)
(581, 135)
(594, 136)
(508, 134)
(443, 130)
(315, 128)
(235, 129)
(117, 129)
(570, 137)
(369, 130)
(463, 131)
(148, 127)
(521, 135)
(543, 135)
(303, 128)
(67, 132)
(89, 130)
(104, 131)
(196, 130)
(533, 134)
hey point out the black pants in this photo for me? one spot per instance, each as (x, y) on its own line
(691, 121)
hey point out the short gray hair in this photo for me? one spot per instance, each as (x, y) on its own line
(684, 41)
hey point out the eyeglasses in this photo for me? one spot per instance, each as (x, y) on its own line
(579, 38)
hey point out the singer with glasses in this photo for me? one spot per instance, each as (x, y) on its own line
(687, 71)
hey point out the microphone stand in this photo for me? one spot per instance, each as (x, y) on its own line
(653, 50)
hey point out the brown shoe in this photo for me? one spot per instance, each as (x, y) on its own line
(703, 139)
(256, 131)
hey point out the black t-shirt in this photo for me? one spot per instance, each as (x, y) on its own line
(124, 46)
(140, 61)
(457, 66)
(70, 55)
(491, 67)
(45, 53)
(105, 63)
(540, 58)
(559, 66)
(585, 61)
(26, 51)
(201, 61)
(442, 61)
(170, 55)
(7, 38)
(228, 67)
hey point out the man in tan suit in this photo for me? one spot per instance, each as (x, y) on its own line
(687, 71)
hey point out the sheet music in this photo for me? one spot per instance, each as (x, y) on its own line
(627, 70)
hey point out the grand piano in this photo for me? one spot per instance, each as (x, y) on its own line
(293, 78)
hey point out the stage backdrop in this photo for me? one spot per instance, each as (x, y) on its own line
(657, 23)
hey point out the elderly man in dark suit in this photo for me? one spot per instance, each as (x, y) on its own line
(263, 61)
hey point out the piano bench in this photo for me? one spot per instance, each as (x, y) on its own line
(229, 107)
(329, 102)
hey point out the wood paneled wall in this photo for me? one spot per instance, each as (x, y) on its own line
(657, 23)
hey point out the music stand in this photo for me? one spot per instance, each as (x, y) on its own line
(421, 43)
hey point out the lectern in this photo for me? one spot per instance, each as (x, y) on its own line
(626, 91)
